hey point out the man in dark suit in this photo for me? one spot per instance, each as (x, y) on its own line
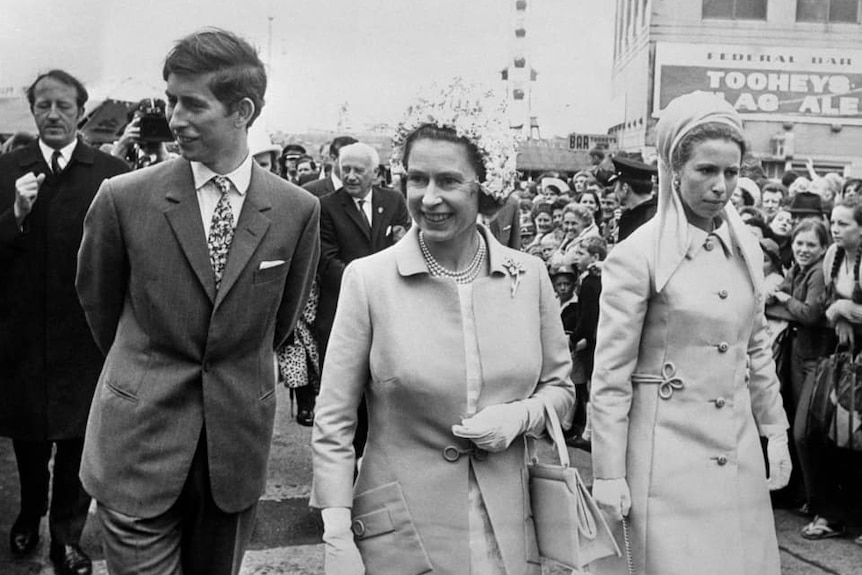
(332, 182)
(49, 362)
(506, 223)
(356, 221)
(191, 273)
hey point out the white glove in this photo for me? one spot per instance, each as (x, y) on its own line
(613, 496)
(496, 427)
(341, 554)
(778, 454)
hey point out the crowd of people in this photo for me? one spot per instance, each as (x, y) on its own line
(427, 318)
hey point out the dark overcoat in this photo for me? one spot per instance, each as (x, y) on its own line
(49, 362)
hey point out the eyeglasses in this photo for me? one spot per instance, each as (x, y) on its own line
(443, 182)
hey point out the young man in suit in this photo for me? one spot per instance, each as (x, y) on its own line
(49, 362)
(356, 221)
(191, 273)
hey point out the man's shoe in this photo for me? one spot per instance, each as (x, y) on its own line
(70, 560)
(305, 417)
(24, 536)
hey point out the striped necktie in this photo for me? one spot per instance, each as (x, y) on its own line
(221, 229)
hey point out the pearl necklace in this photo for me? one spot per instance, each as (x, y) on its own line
(465, 276)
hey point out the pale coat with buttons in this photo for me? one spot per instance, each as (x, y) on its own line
(398, 338)
(685, 433)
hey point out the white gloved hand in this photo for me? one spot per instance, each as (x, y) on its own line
(341, 554)
(496, 427)
(613, 496)
(780, 466)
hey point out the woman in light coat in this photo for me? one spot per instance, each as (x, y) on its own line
(455, 366)
(676, 413)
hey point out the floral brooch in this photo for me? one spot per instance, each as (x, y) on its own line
(515, 271)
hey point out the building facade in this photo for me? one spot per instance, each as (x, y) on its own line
(792, 68)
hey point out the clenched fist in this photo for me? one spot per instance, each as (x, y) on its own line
(26, 192)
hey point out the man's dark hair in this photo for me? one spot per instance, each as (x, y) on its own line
(338, 143)
(64, 78)
(238, 70)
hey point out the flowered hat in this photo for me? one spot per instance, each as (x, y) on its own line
(475, 114)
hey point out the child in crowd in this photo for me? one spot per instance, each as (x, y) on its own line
(549, 244)
(587, 256)
(564, 280)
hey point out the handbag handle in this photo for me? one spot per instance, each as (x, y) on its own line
(555, 432)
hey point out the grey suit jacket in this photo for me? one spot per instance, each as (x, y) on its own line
(179, 352)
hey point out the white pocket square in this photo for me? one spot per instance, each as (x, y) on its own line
(272, 264)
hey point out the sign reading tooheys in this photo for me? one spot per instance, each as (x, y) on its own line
(769, 83)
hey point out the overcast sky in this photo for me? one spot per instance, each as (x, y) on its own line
(371, 54)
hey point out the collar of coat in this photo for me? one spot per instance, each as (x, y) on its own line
(411, 262)
(32, 155)
(698, 237)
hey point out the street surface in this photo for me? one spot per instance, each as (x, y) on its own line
(286, 539)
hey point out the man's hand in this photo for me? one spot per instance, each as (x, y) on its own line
(26, 192)
(131, 136)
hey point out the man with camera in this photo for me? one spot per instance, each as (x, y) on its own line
(49, 362)
(143, 141)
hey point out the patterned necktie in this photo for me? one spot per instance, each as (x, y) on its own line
(361, 205)
(221, 229)
(55, 162)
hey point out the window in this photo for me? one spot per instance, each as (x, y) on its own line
(827, 11)
(735, 9)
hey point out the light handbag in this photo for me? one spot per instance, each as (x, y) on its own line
(570, 529)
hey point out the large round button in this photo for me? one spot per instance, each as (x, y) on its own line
(358, 527)
(719, 402)
(721, 460)
(723, 347)
(723, 294)
(708, 246)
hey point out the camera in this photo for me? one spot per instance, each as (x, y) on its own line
(154, 125)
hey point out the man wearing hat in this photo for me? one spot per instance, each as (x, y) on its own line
(806, 205)
(633, 185)
(289, 156)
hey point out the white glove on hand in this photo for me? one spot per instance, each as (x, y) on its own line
(613, 496)
(496, 427)
(778, 454)
(341, 554)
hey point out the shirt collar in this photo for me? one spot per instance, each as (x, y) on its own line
(336, 181)
(65, 151)
(240, 177)
(698, 237)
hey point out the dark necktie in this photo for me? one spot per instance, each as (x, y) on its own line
(361, 205)
(55, 162)
(221, 229)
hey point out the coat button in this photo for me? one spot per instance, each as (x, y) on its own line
(719, 402)
(708, 246)
(723, 347)
(721, 460)
(358, 527)
(723, 294)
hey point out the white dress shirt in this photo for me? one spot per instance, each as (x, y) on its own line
(65, 153)
(209, 194)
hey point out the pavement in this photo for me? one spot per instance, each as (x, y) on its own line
(286, 539)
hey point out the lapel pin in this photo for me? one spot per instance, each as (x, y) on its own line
(379, 209)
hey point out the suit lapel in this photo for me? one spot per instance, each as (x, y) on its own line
(353, 213)
(250, 230)
(378, 209)
(184, 217)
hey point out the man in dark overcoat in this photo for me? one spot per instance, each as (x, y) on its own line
(49, 362)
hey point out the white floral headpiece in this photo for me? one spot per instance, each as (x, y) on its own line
(477, 115)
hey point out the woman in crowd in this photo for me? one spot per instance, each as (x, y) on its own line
(675, 412)
(781, 226)
(851, 189)
(543, 220)
(592, 199)
(577, 224)
(456, 343)
(827, 470)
